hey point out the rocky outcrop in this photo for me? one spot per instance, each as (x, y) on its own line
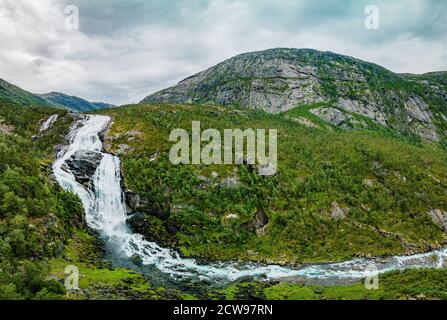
(136, 203)
(338, 213)
(136, 260)
(439, 217)
(363, 108)
(5, 129)
(274, 80)
(333, 116)
(82, 164)
(303, 121)
(259, 224)
(277, 80)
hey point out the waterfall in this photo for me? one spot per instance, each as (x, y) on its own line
(48, 123)
(105, 211)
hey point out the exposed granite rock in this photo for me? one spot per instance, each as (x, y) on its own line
(123, 149)
(267, 170)
(258, 224)
(303, 121)
(6, 129)
(137, 203)
(133, 134)
(427, 132)
(274, 80)
(261, 232)
(83, 165)
(333, 116)
(439, 217)
(418, 109)
(277, 80)
(362, 108)
(338, 213)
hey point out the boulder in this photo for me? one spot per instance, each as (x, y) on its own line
(368, 183)
(83, 164)
(136, 260)
(338, 213)
(258, 224)
(6, 129)
(261, 220)
(137, 222)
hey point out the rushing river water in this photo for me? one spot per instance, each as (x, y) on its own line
(105, 211)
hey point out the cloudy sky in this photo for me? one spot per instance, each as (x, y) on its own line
(124, 50)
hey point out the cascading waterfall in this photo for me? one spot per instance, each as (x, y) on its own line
(105, 210)
(48, 123)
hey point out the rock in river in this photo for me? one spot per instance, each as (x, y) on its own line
(83, 165)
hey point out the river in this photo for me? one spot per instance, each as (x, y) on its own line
(105, 212)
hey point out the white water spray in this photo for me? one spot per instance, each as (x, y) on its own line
(106, 212)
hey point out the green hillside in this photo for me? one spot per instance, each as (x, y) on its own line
(36, 216)
(338, 194)
(42, 228)
(11, 94)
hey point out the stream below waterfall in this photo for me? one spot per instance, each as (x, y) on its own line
(105, 212)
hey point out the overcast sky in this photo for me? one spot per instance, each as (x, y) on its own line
(124, 50)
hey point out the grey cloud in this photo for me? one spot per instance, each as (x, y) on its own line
(125, 50)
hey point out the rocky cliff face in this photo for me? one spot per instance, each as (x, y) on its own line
(278, 80)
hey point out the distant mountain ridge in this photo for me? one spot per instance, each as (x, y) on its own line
(73, 102)
(351, 91)
(13, 94)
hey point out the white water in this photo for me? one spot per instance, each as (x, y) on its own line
(48, 123)
(106, 212)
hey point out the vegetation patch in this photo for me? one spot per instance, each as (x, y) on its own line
(384, 183)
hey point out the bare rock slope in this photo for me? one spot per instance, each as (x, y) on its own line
(278, 80)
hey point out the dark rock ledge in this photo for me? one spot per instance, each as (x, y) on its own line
(82, 164)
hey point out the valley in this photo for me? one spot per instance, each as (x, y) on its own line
(360, 180)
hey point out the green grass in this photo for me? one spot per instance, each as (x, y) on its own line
(93, 275)
(410, 284)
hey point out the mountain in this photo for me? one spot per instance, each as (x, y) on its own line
(338, 89)
(14, 94)
(73, 103)
(10, 93)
